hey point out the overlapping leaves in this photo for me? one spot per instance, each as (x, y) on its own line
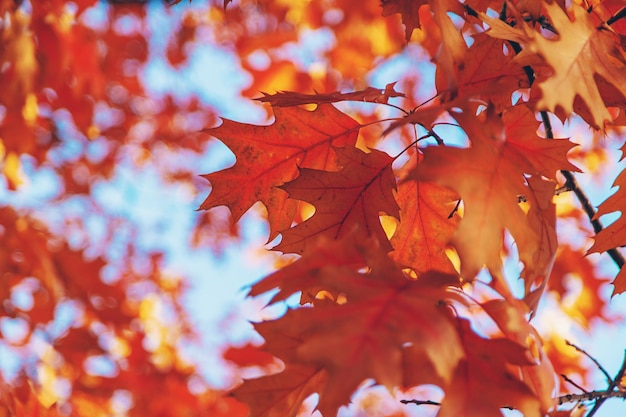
(376, 298)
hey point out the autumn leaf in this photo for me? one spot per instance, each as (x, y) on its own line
(491, 190)
(580, 52)
(282, 394)
(303, 275)
(365, 337)
(538, 263)
(483, 381)
(510, 317)
(490, 73)
(248, 355)
(546, 156)
(370, 95)
(427, 224)
(269, 156)
(408, 9)
(613, 236)
(352, 197)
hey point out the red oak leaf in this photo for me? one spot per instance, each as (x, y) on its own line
(269, 156)
(370, 94)
(353, 197)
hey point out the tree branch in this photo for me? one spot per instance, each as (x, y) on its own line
(594, 360)
(590, 396)
(570, 180)
(420, 402)
(572, 184)
(611, 389)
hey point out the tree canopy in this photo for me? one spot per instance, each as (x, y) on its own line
(434, 177)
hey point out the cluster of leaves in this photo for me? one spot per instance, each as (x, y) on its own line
(389, 279)
(396, 243)
(91, 323)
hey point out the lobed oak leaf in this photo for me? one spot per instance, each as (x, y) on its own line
(581, 52)
(385, 322)
(269, 156)
(370, 95)
(539, 260)
(280, 395)
(490, 177)
(426, 226)
(489, 72)
(510, 317)
(365, 337)
(614, 235)
(408, 9)
(483, 381)
(545, 156)
(353, 197)
(303, 275)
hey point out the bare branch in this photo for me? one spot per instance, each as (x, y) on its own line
(590, 396)
(594, 360)
(570, 381)
(420, 402)
(611, 388)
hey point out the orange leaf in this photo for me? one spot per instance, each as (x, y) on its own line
(353, 197)
(581, 52)
(269, 156)
(368, 336)
(280, 395)
(370, 94)
(490, 178)
(614, 235)
(409, 9)
(483, 382)
(303, 275)
(425, 226)
(510, 316)
(248, 355)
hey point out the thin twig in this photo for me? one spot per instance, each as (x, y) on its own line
(570, 381)
(420, 402)
(594, 360)
(572, 184)
(611, 389)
